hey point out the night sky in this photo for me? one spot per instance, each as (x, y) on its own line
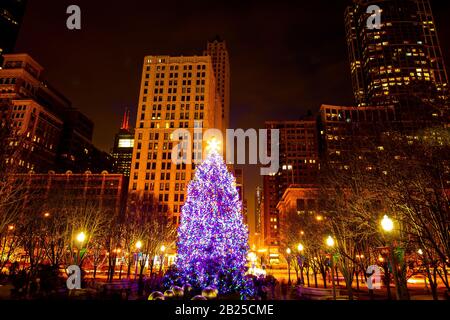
(286, 57)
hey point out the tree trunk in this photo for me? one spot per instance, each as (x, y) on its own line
(141, 280)
(129, 270)
(357, 280)
(324, 277)
(336, 272)
(432, 279)
(95, 271)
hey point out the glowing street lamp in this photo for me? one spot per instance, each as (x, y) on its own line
(387, 224)
(330, 241)
(81, 237)
(288, 258)
(138, 246)
(330, 244)
(300, 259)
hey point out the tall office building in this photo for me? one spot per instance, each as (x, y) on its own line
(400, 63)
(122, 151)
(11, 14)
(345, 130)
(176, 93)
(47, 133)
(299, 161)
(217, 50)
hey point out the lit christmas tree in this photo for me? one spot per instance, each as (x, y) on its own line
(212, 237)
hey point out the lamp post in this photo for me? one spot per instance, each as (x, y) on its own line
(330, 244)
(138, 246)
(81, 238)
(387, 224)
(300, 259)
(288, 259)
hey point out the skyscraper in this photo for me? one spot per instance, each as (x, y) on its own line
(299, 161)
(11, 14)
(176, 93)
(400, 63)
(217, 50)
(47, 132)
(122, 151)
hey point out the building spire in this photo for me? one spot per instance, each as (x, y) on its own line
(126, 120)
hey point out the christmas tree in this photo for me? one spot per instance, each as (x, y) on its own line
(212, 237)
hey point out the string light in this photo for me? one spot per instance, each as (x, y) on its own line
(212, 236)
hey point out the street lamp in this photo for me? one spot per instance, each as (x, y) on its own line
(81, 237)
(387, 224)
(138, 246)
(300, 258)
(330, 244)
(288, 259)
(330, 241)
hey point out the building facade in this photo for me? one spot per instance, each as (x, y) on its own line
(28, 105)
(299, 161)
(47, 131)
(346, 129)
(218, 52)
(399, 64)
(176, 93)
(298, 200)
(104, 191)
(122, 151)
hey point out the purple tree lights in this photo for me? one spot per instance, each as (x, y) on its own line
(212, 237)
